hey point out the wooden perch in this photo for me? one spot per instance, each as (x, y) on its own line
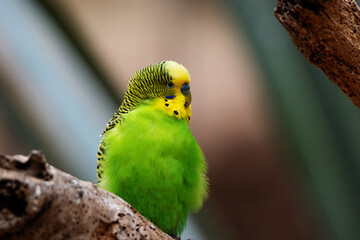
(327, 32)
(38, 201)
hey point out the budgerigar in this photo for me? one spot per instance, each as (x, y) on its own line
(148, 155)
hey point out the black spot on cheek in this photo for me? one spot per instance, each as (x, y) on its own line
(166, 104)
(176, 112)
(189, 118)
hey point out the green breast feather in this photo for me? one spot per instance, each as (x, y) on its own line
(153, 162)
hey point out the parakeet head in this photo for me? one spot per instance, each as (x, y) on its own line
(166, 82)
(166, 79)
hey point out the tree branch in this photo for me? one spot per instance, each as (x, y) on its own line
(38, 201)
(327, 33)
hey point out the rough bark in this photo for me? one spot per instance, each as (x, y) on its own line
(327, 33)
(38, 201)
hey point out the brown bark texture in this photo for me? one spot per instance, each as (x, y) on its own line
(38, 201)
(327, 32)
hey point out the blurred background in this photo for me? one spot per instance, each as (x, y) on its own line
(280, 139)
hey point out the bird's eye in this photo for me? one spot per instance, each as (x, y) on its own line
(170, 85)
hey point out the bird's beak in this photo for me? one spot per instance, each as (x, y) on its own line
(185, 90)
(188, 100)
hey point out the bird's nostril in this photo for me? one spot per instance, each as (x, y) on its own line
(185, 88)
